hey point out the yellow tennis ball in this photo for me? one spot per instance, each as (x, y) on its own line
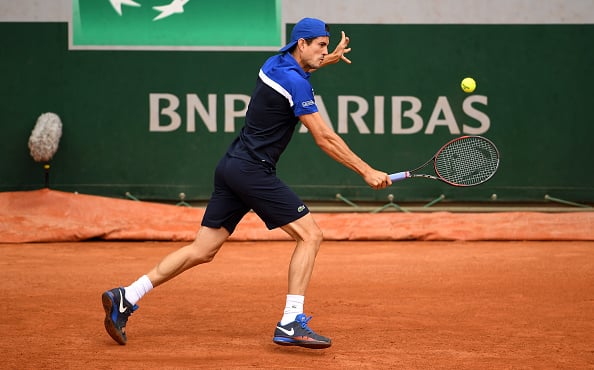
(468, 85)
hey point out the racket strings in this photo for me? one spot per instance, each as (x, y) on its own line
(468, 161)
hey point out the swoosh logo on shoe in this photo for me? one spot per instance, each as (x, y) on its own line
(288, 332)
(122, 308)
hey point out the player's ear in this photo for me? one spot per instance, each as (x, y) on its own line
(301, 43)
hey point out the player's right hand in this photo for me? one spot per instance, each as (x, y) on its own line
(377, 179)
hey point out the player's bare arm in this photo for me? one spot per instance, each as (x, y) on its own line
(337, 149)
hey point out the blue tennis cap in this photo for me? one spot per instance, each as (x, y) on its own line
(307, 28)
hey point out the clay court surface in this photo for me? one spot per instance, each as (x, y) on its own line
(393, 304)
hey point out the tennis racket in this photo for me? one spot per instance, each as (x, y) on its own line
(464, 161)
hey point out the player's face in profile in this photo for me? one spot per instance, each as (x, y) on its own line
(314, 53)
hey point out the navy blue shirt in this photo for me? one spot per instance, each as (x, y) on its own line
(282, 94)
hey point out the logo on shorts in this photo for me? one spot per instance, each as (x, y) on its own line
(301, 208)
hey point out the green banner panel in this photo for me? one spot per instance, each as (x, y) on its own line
(194, 23)
(154, 123)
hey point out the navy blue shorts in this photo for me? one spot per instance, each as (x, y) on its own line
(241, 185)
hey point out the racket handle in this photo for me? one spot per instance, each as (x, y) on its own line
(399, 176)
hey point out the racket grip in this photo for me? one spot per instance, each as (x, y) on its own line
(399, 176)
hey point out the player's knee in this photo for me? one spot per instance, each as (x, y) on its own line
(200, 255)
(305, 230)
(200, 258)
(314, 235)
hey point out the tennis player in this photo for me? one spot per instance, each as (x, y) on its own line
(245, 179)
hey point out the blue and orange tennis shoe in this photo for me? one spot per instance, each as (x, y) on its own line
(117, 310)
(297, 333)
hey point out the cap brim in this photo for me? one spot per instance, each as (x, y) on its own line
(288, 46)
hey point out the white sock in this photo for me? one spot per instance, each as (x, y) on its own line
(293, 307)
(138, 289)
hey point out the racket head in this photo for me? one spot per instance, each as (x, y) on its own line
(467, 161)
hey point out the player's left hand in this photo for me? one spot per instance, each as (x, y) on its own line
(339, 52)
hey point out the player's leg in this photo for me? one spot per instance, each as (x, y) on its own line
(120, 303)
(204, 248)
(258, 187)
(308, 236)
(222, 215)
(293, 329)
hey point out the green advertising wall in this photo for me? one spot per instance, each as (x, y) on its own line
(154, 123)
(222, 23)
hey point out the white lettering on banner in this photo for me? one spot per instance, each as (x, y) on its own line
(357, 115)
(406, 118)
(230, 113)
(378, 122)
(174, 118)
(442, 108)
(208, 116)
(411, 113)
(471, 112)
